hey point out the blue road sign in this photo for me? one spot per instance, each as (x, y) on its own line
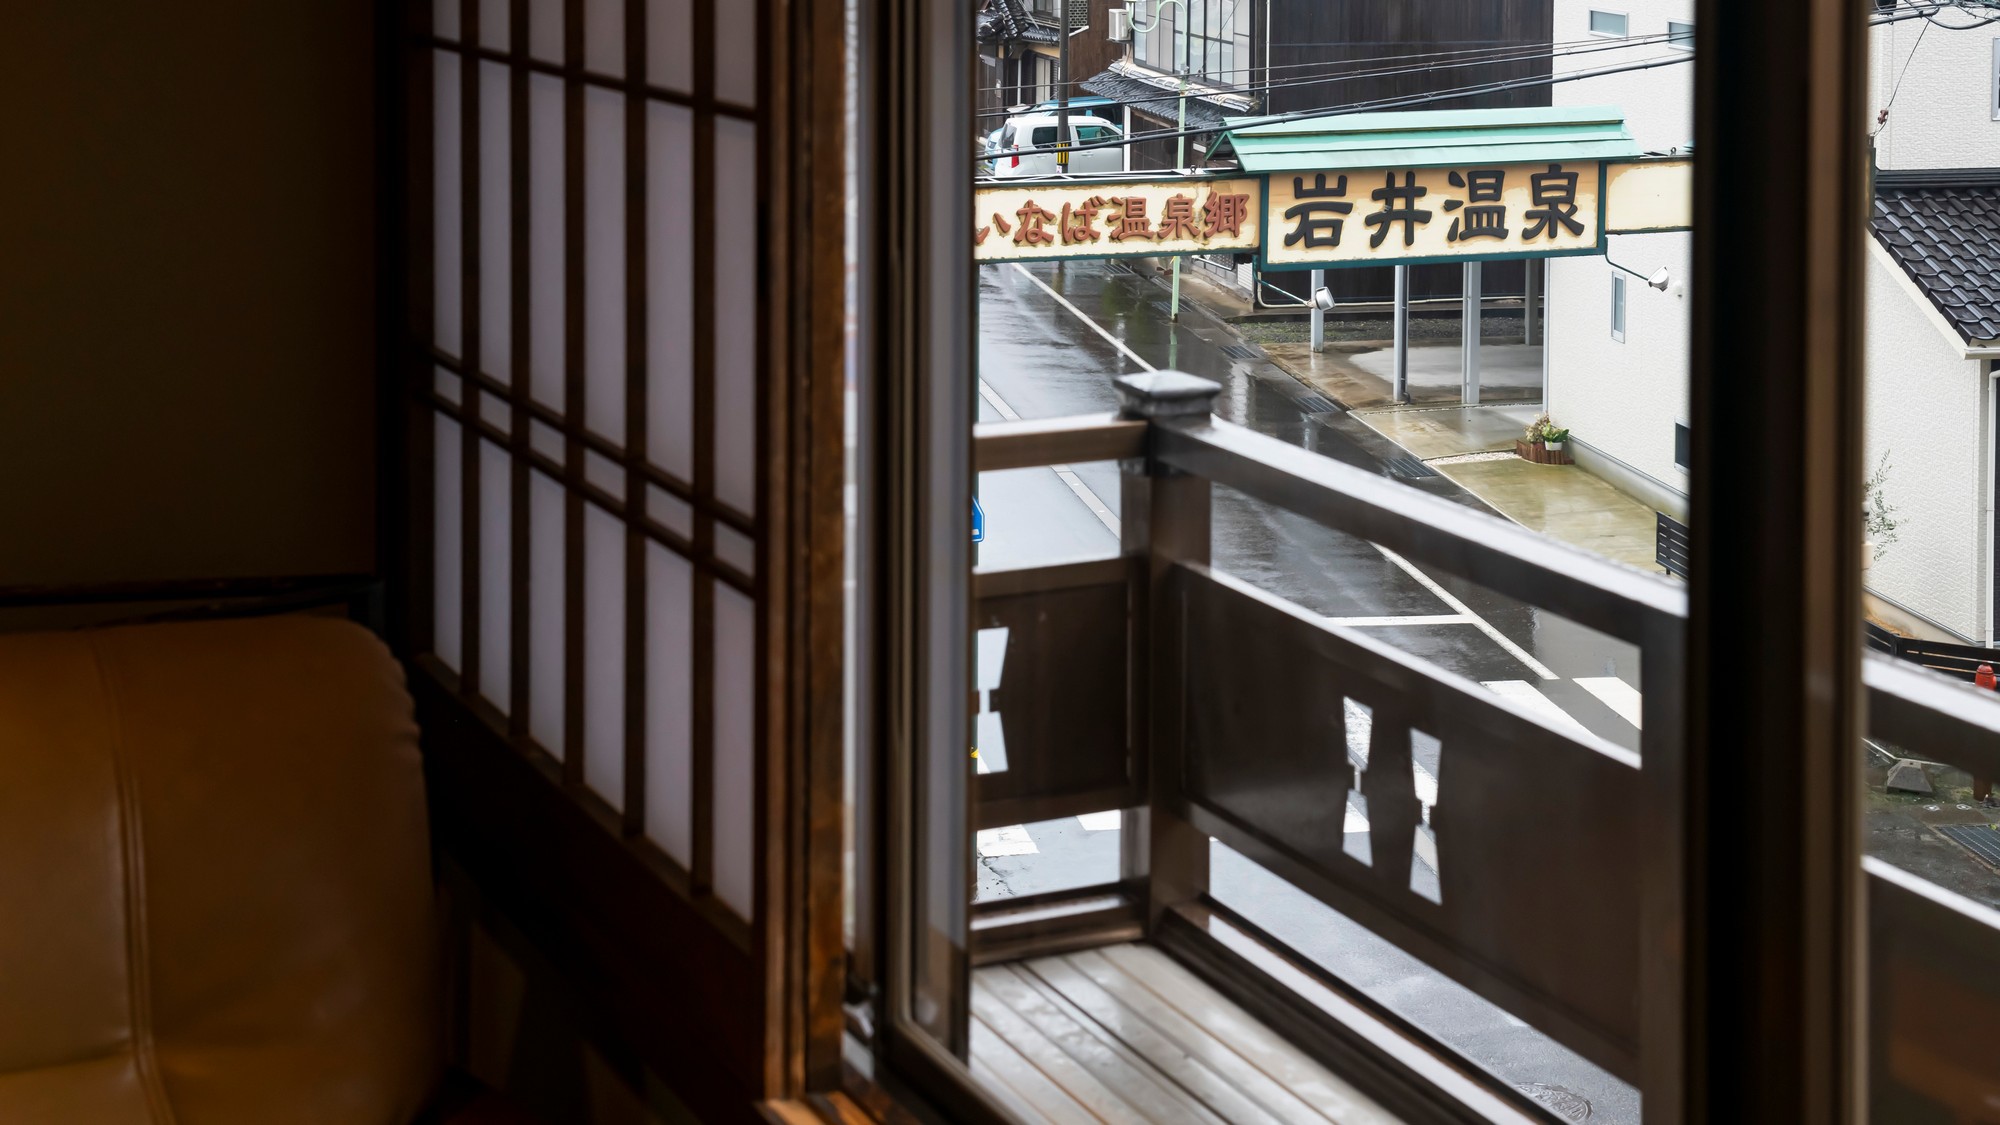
(978, 522)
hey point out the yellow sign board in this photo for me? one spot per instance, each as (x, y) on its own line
(1316, 220)
(1038, 222)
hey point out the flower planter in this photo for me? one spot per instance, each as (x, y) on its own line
(1540, 453)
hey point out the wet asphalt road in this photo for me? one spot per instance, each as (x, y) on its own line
(1052, 339)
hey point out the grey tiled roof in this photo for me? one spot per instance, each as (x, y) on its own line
(1148, 98)
(1944, 230)
(1008, 21)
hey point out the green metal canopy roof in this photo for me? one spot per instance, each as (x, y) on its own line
(1430, 138)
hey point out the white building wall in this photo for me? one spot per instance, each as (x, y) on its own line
(1622, 399)
(1658, 102)
(1925, 409)
(1942, 116)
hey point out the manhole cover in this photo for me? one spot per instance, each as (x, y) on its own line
(1983, 840)
(1567, 1104)
(1240, 351)
(1315, 403)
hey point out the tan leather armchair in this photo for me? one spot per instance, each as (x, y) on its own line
(216, 897)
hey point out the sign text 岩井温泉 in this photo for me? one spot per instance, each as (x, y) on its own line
(1107, 220)
(1315, 220)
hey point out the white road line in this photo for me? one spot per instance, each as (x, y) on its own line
(1417, 619)
(1485, 626)
(1080, 315)
(1524, 693)
(1102, 821)
(1063, 473)
(1011, 840)
(1615, 694)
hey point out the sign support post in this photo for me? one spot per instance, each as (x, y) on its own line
(1318, 314)
(1400, 388)
(1470, 318)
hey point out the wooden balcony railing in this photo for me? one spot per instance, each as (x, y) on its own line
(1152, 682)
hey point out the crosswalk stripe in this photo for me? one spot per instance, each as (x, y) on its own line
(1524, 693)
(1615, 694)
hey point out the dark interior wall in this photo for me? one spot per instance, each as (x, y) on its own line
(187, 288)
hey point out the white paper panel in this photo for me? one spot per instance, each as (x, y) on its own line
(604, 654)
(604, 262)
(669, 702)
(736, 309)
(496, 258)
(736, 548)
(545, 30)
(669, 44)
(604, 36)
(670, 289)
(444, 18)
(545, 612)
(670, 511)
(497, 411)
(496, 570)
(494, 30)
(603, 472)
(447, 197)
(546, 440)
(735, 790)
(546, 271)
(736, 51)
(446, 384)
(447, 555)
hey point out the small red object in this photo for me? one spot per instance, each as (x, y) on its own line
(1986, 679)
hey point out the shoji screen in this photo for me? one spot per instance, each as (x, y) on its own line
(594, 343)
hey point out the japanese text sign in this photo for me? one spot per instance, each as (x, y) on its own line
(1316, 220)
(1106, 220)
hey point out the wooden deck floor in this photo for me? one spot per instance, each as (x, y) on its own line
(1124, 1034)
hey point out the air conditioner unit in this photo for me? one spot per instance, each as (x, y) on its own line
(1120, 26)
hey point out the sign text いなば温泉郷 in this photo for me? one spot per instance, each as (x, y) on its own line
(1317, 220)
(1105, 220)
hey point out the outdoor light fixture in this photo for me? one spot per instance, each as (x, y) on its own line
(1323, 299)
(1660, 278)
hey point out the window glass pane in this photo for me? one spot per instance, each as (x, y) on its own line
(1607, 23)
(604, 655)
(496, 588)
(669, 702)
(545, 30)
(670, 239)
(1680, 35)
(604, 36)
(735, 56)
(736, 307)
(669, 44)
(546, 648)
(447, 544)
(1087, 133)
(496, 242)
(1046, 135)
(447, 203)
(547, 314)
(604, 262)
(735, 819)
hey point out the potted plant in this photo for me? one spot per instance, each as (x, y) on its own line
(1554, 437)
(1530, 446)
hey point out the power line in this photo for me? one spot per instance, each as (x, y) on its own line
(1441, 95)
(1512, 52)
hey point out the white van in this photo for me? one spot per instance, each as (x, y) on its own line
(1037, 132)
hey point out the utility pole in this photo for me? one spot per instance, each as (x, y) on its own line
(1062, 91)
(1180, 147)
